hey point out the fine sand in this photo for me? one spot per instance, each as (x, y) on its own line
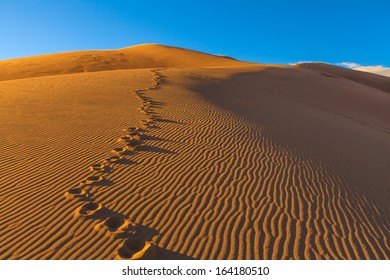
(155, 152)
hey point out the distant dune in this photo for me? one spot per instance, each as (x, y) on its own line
(140, 56)
(369, 79)
(156, 152)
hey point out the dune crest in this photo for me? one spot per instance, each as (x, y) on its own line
(136, 57)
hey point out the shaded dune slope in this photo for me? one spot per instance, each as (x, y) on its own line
(235, 163)
(369, 79)
(328, 130)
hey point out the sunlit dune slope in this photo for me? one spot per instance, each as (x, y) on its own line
(140, 56)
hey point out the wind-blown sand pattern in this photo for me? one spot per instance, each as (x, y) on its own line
(193, 157)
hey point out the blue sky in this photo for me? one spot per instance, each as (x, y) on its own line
(261, 31)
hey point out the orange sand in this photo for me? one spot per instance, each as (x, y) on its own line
(232, 160)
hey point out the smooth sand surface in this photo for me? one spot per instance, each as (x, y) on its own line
(192, 156)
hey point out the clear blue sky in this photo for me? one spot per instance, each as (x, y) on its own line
(269, 31)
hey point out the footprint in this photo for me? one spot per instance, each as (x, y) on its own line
(129, 137)
(113, 159)
(116, 223)
(124, 139)
(145, 109)
(147, 121)
(89, 209)
(134, 142)
(133, 145)
(153, 118)
(133, 129)
(93, 180)
(117, 227)
(130, 148)
(147, 124)
(136, 136)
(136, 249)
(118, 151)
(76, 192)
(98, 167)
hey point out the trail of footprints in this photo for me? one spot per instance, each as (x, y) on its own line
(133, 247)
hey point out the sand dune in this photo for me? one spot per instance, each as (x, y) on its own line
(369, 79)
(140, 56)
(196, 157)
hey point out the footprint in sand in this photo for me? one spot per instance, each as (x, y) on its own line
(135, 134)
(147, 112)
(88, 209)
(92, 180)
(136, 249)
(134, 142)
(76, 192)
(148, 123)
(143, 108)
(128, 138)
(133, 145)
(130, 148)
(117, 225)
(153, 118)
(113, 159)
(124, 139)
(133, 130)
(99, 167)
(118, 151)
